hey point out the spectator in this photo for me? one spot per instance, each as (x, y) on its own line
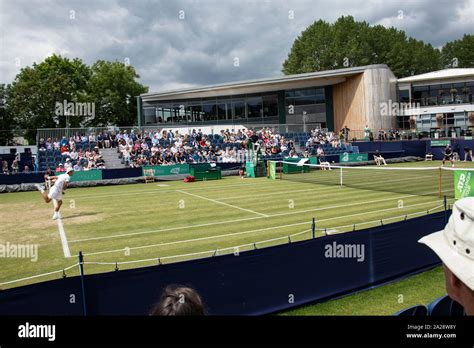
(26, 169)
(320, 154)
(345, 131)
(179, 301)
(467, 153)
(455, 247)
(5, 169)
(15, 167)
(366, 132)
(60, 168)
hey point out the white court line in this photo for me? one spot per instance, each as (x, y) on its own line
(237, 220)
(199, 239)
(218, 202)
(156, 191)
(62, 235)
(327, 187)
(251, 231)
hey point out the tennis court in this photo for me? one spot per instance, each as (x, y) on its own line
(119, 227)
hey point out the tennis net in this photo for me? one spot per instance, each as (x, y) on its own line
(420, 181)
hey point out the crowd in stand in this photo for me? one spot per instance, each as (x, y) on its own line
(162, 147)
(73, 154)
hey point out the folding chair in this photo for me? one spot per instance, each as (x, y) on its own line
(149, 175)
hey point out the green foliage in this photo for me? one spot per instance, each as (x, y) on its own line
(459, 53)
(6, 119)
(36, 90)
(113, 88)
(348, 43)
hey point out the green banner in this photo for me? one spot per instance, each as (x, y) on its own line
(353, 157)
(85, 175)
(439, 143)
(175, 169)
(250, 169)
(272, 170)
(463, 184)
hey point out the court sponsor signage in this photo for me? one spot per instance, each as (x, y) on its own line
(353, 157)
(440, 143)
(175, 169)
(463, 184)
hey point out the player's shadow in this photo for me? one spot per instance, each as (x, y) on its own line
(77, 215)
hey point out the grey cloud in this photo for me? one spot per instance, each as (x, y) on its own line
(169, 52)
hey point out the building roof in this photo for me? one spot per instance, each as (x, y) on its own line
(323, 78)
(454, 73)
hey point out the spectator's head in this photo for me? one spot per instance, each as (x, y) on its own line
(179, 301)
(455, 247)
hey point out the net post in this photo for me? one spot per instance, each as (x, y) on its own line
(313, 227)
(439, 183)
(281, 170)
(340, 176)
(445, 202)
(81, 271)
(268, 168)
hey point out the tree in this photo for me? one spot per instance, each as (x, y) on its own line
(459, 53)
(36, 90)
(348, 43)
(113, 89)
(6, 120)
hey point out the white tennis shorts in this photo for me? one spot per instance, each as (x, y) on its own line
(54, 193)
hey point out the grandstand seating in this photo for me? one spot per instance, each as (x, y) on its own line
(415, 311)
(445, 306)
(51, 158)
(26, 159)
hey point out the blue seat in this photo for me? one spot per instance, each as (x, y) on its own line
(445, 306)
(415, 311)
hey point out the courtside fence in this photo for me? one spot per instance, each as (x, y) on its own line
(259, 281)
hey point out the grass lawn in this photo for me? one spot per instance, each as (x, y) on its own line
(173, 221)
(384, 300)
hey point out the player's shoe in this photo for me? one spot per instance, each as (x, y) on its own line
(40, 188)
(56, 215)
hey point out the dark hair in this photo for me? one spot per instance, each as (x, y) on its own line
(179, 300)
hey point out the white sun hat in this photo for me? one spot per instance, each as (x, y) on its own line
(455, 244)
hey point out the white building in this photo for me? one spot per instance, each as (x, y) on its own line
(438, 102)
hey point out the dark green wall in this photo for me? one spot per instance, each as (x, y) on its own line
(281, 107)
(329, 108)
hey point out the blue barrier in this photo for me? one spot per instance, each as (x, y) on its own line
(17, 179)
(456, 144)
(120, 173)
(256, 282)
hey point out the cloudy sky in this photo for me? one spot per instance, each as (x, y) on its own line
(175, 44)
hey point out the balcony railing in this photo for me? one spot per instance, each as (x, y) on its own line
(443, 100)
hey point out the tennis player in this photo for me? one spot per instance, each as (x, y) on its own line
(55, 193)
(448, 155)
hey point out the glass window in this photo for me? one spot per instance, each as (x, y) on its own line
(166, 114)
(224, 110)
(270, 105)
(209, 111)
(238, 108)
(150, 115)
(404, 96)
(254, 107)
(196, 112)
